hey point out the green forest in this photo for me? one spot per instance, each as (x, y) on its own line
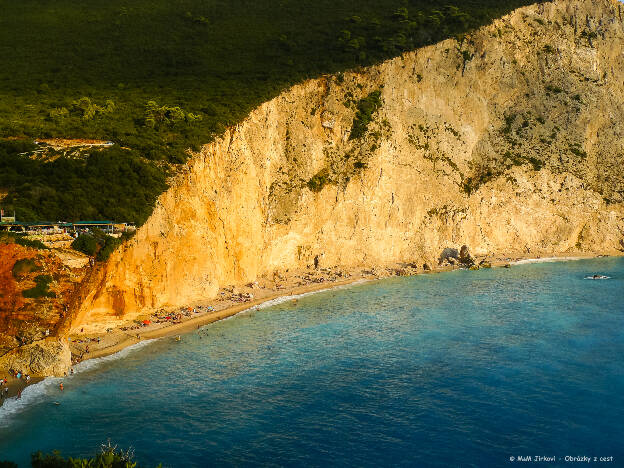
(159, 77)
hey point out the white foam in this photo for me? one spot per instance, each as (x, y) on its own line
(39, 391)
(282, 299)
(93, 363)
(546, 260)
(31, 394)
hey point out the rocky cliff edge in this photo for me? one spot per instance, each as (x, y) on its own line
(510, 140)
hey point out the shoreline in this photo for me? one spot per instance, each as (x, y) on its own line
(206, 318)
(185, 327)
(210, 317)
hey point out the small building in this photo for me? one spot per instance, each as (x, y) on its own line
(49, 227)
(124, 227)
(6, 219)
(107, 226)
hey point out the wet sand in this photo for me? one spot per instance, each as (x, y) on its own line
(118, 339)
(190, 324)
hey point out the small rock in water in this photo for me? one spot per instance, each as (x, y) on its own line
(447, 254)
(465, 258)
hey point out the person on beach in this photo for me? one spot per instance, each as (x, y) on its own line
(61, 386)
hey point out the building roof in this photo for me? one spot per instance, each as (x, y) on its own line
(92, 222)
(53, 223)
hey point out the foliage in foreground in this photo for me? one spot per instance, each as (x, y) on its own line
(109, 457)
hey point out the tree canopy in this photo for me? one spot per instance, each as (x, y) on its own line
(158, 77)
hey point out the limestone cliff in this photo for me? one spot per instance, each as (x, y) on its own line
(508, 141)
(50, 356)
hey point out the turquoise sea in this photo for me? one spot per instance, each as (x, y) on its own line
(454, 369)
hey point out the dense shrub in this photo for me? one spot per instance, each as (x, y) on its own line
(108, 246)
(41, 289)
(12, 238)
(86, 244)
(109, 457)
(319, 180)
(33, 244)
(366, 108)
(24, 266)
(97, 242)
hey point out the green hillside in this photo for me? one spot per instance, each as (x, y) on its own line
(160, 76)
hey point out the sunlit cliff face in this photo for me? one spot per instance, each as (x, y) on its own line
(509, 141)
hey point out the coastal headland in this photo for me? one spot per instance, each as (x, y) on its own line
(506, 140)
(511, 146)
(179, 321)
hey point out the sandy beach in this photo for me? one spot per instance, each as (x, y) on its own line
(184, 320)
(232, 301)
(295, 284)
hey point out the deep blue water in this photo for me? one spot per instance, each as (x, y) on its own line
(454, 369)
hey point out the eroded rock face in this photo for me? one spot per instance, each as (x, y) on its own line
(24, 317)
(516, 150)
(49, 357)
(449, 255)
(465, 258)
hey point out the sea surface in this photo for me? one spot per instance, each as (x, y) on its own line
(466, 368)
